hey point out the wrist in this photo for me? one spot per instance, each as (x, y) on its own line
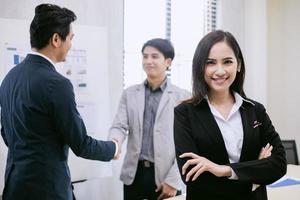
(226, 171)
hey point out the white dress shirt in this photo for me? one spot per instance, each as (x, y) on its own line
(231, 128)
(232, 132)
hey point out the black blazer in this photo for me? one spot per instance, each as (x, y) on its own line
(195, 130)
(39, 123)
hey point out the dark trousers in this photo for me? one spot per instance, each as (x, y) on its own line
(143, 186)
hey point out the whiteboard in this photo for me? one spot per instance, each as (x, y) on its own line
(86, 66)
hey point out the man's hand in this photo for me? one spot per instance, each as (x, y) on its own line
(167, 191)
(118, 149)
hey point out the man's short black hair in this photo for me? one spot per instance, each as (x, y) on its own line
(49, 19)
(162, 45)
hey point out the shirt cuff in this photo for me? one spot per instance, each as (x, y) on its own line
(254, 187)
(117, 147)
(233, 175)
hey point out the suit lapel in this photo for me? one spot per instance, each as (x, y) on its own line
(163, 101)
(247, 128)
(140, 103)
(208, 121)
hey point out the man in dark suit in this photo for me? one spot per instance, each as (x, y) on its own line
(39, 117)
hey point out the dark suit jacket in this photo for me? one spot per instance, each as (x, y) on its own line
(195, 130)
(39, 124)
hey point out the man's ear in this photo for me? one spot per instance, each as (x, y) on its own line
(169, 62)
(55, 40)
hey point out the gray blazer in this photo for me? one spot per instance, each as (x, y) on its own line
(129, 122)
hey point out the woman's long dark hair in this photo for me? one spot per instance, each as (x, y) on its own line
(200, 88)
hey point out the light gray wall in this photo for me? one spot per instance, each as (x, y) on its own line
(92, 13)
(232, 18)
(284, 67)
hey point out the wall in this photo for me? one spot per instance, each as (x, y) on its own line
(232, 18)
(284, 68)
(92, 13)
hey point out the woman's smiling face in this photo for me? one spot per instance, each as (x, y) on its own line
(220, 68)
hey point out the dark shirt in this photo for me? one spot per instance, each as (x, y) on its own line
(152, 99)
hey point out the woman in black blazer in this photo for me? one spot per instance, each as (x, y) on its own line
(226, 145)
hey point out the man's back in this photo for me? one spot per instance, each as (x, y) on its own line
(40, 121)
(37, 156)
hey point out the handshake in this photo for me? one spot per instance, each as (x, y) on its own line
(118, 149)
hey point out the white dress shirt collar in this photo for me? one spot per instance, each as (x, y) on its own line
(236, 106)
(42, 55)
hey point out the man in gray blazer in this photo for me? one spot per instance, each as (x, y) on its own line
(145, 115)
